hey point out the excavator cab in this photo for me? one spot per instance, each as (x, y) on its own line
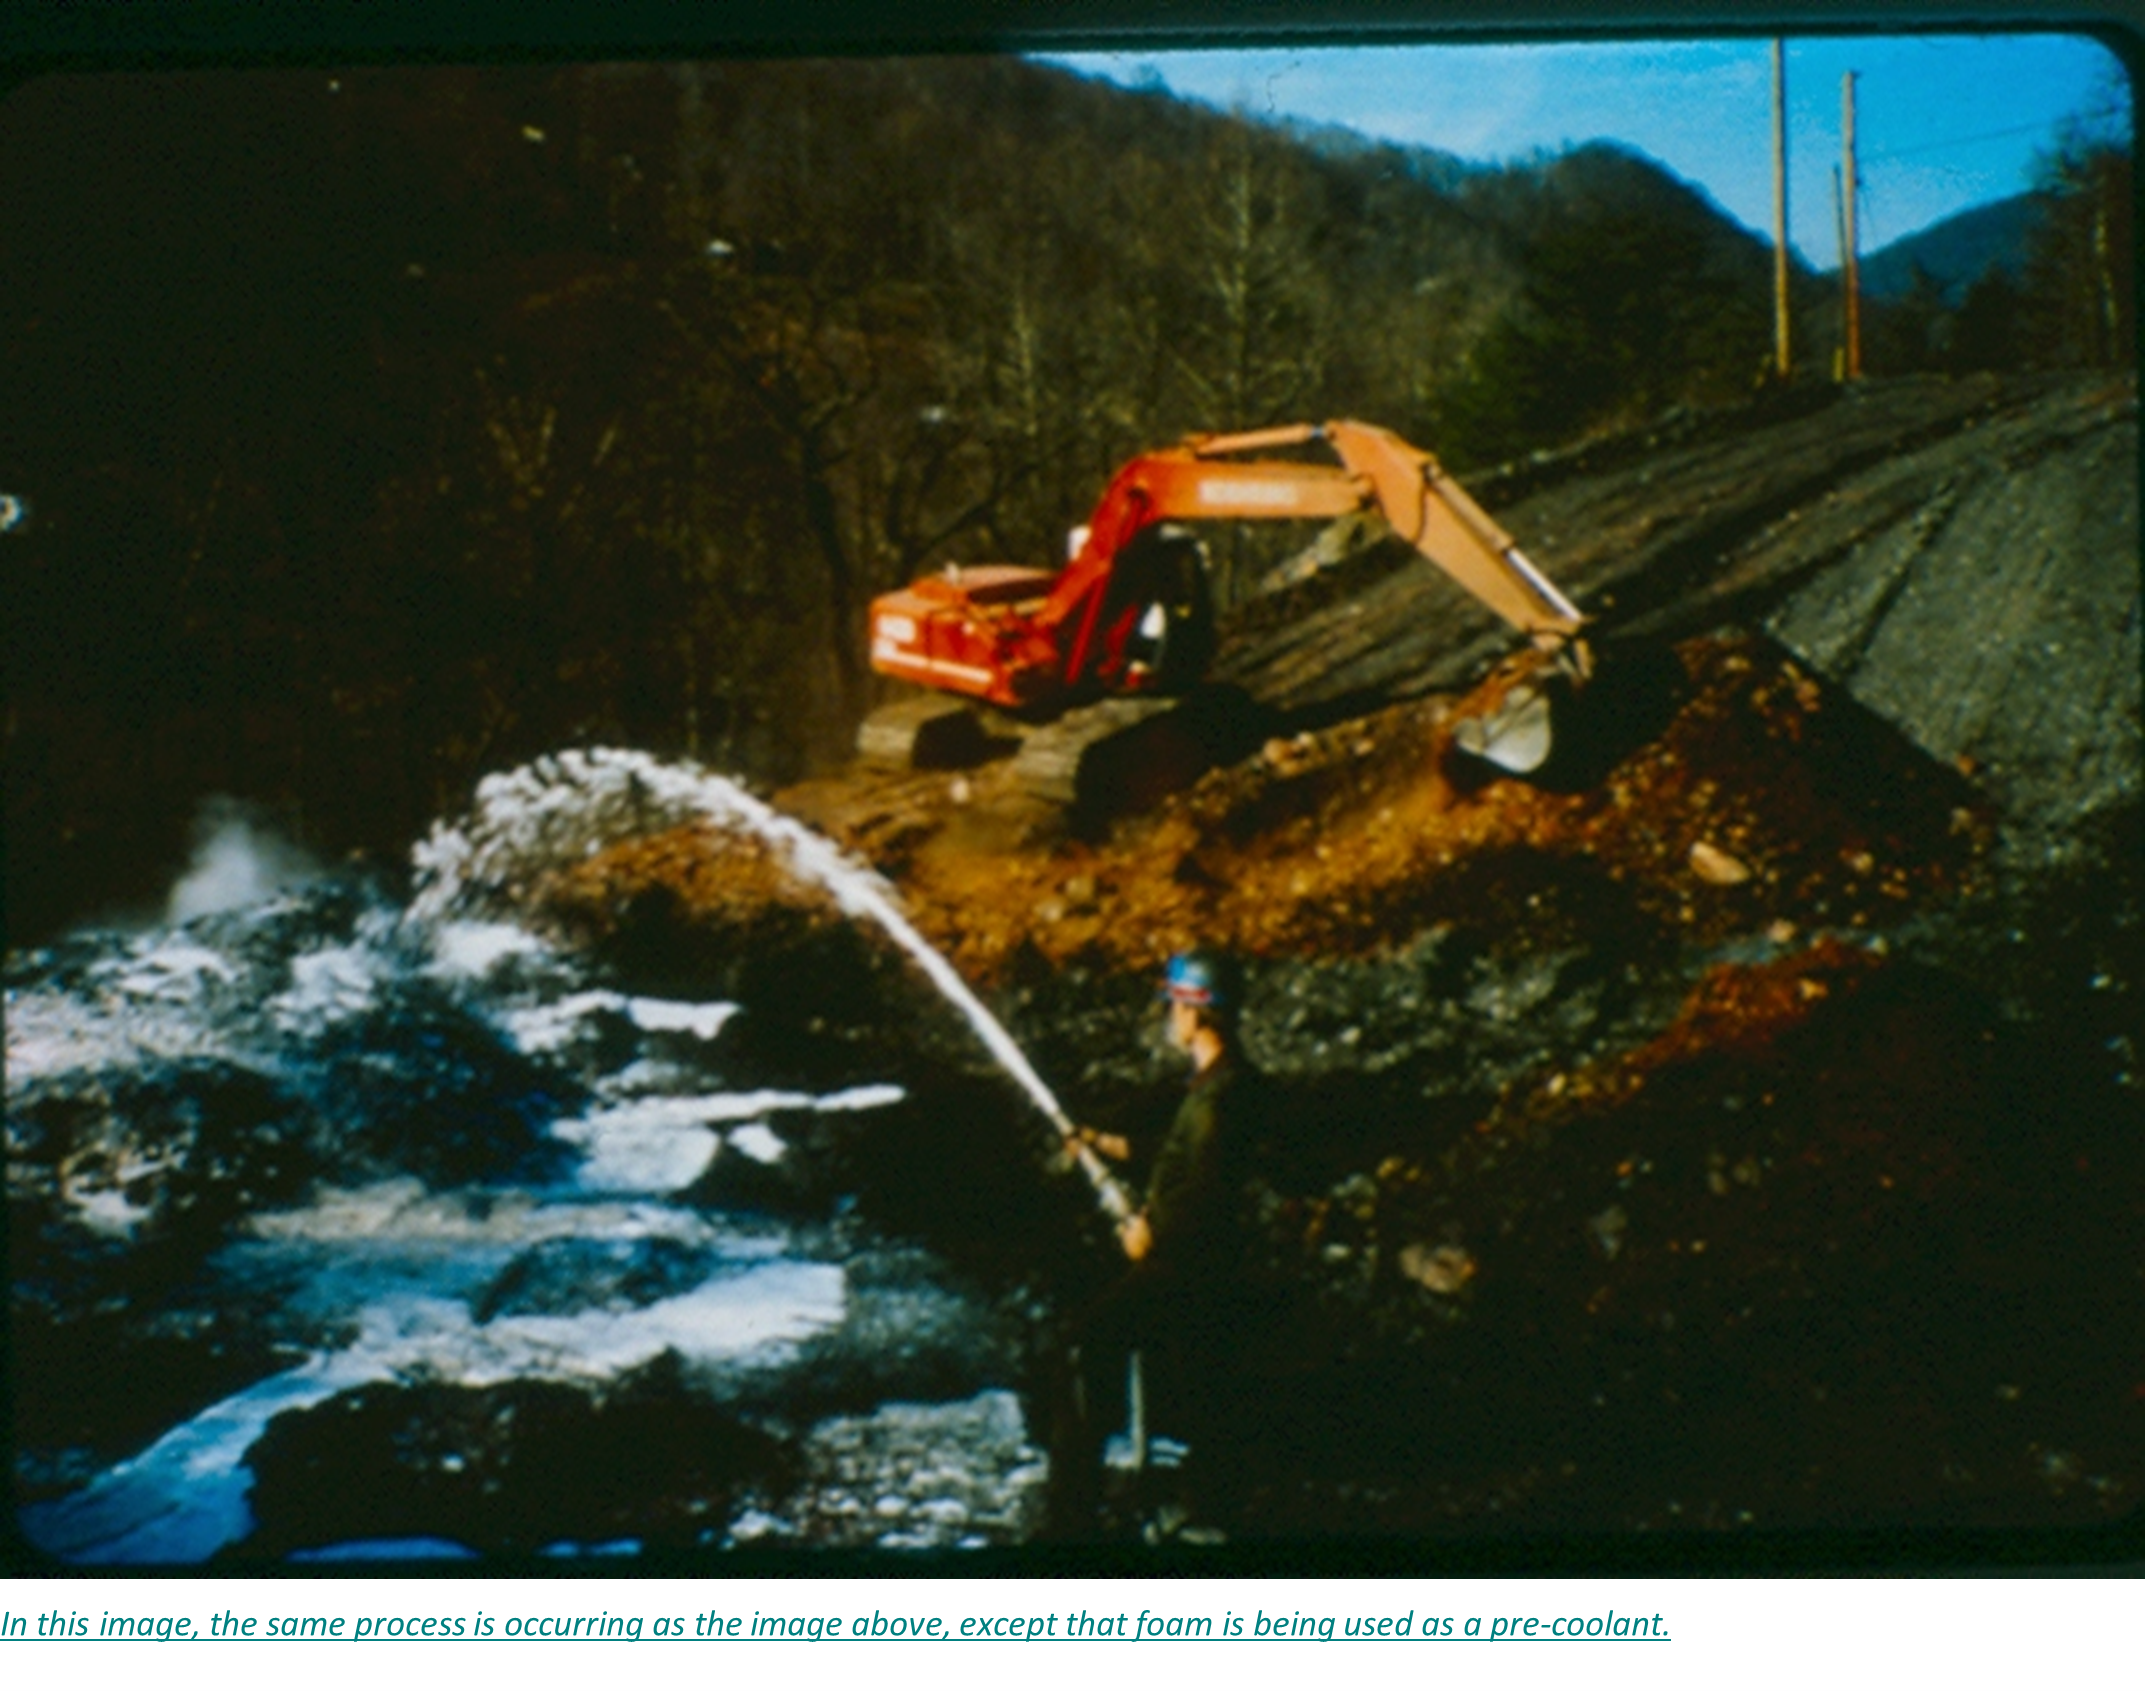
(1158, 613)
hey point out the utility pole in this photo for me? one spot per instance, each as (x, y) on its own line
(1850, 279)
(1839, 231)
(1781, 359)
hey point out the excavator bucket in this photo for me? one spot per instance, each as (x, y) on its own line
(1516, 736)
(1513, 725)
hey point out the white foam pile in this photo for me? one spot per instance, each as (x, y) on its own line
(758, 1141)
(171, 994)
(669, 1015)
(547, 1027)
(472, 950)
(152, 999)
(327, 985)
(664, 1144)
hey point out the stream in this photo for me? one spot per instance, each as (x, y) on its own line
(350, 1228)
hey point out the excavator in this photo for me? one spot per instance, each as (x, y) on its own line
(1130, 616)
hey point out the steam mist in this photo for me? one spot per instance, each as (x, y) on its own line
(239, 859)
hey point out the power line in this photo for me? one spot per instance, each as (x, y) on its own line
(1991, 135)
(1864, 187)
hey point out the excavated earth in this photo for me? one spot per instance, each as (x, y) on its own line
(1737, 1127)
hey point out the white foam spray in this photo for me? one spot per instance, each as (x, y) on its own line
(558, 808)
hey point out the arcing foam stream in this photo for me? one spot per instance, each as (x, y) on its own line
(561, 807)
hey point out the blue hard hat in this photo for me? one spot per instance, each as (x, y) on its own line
(1202, 978)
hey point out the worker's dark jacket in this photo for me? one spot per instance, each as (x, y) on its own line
(1192, 1195)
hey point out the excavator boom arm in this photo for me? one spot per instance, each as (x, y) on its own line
(1435, 515)
(1204, 478)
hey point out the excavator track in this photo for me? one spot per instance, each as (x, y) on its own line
(1050, 760)
(929, 731)
(1124, 755)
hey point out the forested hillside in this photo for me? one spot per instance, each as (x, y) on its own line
(1954, 254)
(382, 427)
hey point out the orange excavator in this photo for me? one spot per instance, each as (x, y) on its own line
(1131, 613)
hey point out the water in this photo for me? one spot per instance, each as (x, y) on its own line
(309, 1154)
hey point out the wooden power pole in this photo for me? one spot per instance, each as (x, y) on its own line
(1850, 278)
(1781, 357)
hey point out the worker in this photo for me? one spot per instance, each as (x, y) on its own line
(1183, 1228)
(1179, 1302)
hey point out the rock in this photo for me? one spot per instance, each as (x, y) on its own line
(1442, 1268)
(562, 1276)
(940, 1475)
(514, 1467)
(1710, 863)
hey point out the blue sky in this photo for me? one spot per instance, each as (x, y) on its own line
(1942, 122)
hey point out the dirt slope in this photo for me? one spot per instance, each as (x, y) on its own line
(2012, 501)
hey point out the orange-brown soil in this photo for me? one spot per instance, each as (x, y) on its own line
(1765, 806)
